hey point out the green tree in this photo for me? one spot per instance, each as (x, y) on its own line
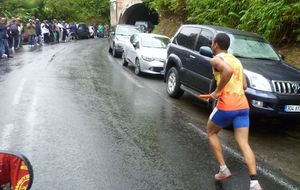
(77, 10)
(69, 10)
(277, 20)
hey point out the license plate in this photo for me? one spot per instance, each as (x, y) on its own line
(292, 108)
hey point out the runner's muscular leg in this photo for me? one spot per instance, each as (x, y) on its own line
(241, 137)
(214, 141)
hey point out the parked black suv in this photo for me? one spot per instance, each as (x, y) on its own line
(273, 86)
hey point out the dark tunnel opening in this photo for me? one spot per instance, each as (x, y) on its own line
(139, 12)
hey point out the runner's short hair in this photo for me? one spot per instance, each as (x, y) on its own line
(222, 40)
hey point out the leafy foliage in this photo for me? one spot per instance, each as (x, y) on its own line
(277, 20)
(69, 10)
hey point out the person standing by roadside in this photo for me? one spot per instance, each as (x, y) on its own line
(232, 107)
(55, 30)
(106, 30)
(100, 31)
(45, 31)
(51, 32)
(60, 30)
(14, 28)
(95, 28)
(38, 31)
(73, 31)
(2, 36)
(31, 32)
(21, 32)
(10, 37)
(5, 38)
(64, 31)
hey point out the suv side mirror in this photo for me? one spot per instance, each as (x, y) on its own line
(112, 33)
(206, 51)
(282, 56)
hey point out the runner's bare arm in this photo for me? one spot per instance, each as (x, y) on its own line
(226, 73)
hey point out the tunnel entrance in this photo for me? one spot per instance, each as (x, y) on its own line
(138, 12)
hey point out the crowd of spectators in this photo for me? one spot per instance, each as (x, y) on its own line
(14, 33)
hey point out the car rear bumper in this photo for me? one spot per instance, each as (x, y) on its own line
(269, 104)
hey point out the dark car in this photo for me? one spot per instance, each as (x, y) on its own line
(118, 37)
(83, 31)
(273, 86)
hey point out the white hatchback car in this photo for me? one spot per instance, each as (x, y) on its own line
(146, 52)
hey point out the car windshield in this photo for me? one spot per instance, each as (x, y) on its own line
(126, 31)
(155, 42)
(252, 47)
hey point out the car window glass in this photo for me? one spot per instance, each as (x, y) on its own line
(251, 47)
(205, 39)
(187, 37)
(155, 42)
(126, 31)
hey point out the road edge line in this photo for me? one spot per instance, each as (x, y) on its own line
(261, 169)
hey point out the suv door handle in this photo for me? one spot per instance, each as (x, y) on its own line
(192, 57)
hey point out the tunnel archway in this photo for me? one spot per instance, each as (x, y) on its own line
(138, 12)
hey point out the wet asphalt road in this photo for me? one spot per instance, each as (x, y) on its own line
(87, 123)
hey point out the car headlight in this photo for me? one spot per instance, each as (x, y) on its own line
(146, 58)
(258, 82)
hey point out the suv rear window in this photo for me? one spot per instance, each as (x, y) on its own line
(187, 37)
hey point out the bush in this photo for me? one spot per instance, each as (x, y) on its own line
(277, 20)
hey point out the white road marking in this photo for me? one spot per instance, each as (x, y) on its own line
(18, 94)
(261, 169)
(32, 112)
(129, 77)
(31, 123)
(7, 130)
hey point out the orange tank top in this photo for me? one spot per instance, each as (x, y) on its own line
(232, 96)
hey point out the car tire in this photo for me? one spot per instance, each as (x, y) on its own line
(137, 69)
(125, 62)
(173, 84)
(114, 51)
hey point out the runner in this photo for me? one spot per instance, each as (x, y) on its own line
(232, 108)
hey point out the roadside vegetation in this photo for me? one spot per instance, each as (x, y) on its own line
(277, 20)
(68, 10)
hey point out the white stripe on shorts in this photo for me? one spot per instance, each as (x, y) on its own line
(213, 113)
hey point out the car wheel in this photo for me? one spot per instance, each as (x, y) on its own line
(109, 49)
(125, 62)
(173, 84)
(114, 52)
(137, 69)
